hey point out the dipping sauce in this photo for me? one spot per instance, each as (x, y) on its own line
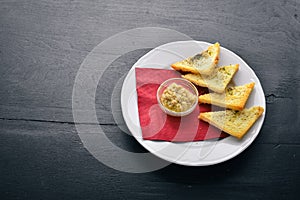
(177, 98)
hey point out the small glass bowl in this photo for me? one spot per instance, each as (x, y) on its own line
(184, 83)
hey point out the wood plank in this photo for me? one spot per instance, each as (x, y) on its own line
(47, 160)
(42, 45)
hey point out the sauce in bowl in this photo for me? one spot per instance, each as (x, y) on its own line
(177, 98)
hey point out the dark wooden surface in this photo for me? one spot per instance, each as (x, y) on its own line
(43, 43)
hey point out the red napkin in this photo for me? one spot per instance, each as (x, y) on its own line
(157, 125)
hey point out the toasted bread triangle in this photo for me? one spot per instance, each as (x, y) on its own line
(202, 63)
(217, 81)
(234, 97)
(235, 123)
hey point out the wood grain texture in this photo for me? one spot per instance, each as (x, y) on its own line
(50, 164)
(44, 42)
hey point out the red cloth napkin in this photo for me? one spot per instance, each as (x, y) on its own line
(156, 125)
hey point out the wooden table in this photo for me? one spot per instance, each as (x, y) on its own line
(42, 45)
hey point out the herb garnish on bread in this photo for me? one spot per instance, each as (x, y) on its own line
(235, 123)
(217, 81)
(234, 97)
(202, 63)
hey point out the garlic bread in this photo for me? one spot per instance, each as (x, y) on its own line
(234, 97)
(235, 123)
(217, 81)
(202, 63)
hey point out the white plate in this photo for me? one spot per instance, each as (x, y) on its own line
(199, 153)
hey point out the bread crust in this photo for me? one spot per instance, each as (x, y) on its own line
(179, 67)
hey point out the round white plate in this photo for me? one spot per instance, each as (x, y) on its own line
(200, 153)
